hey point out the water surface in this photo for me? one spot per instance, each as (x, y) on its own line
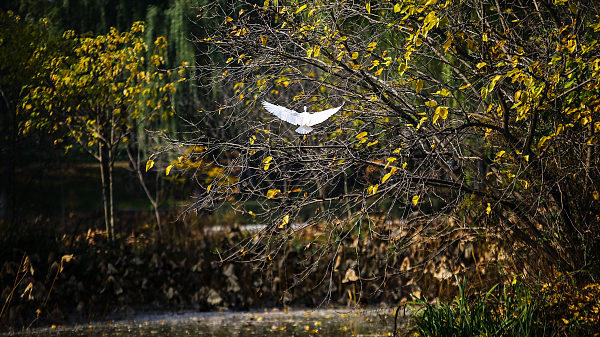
(322, 322)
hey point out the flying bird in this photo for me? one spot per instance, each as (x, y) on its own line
(304, 119)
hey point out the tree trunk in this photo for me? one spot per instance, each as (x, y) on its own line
(111, 164)
(103, 175)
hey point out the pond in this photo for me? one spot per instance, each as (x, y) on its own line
(321, 322)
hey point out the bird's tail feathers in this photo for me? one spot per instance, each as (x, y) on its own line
(303, 129)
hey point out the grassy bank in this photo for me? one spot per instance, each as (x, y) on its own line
(523, 307)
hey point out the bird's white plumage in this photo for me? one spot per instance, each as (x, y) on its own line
(304, 119)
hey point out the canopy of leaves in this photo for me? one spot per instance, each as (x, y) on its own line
(458, 114)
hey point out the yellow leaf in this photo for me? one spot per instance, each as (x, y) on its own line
(309, 52)
(419, 85)
(397, 8)
(431, 104)
(402, 68)
(355, 55)
(300, 9)
(440, 111)
(499, 155)
(252, 152)
(266, 4)
(297, 190)
(252, 214)
(208, 188)
(263, 40)
(267, 166)
(448, 43)
(372, 143)
(415, 200)
(386, 177)
(494, 81)
(592, 140)
(267, 160)
(404, 165)
(596, 195)
(465, 86)
(488, 209)
(368, 7)
(484, 93)
(169, 169)
(371, 46)
(443, 111)
(272, 193)
(149, 164)
(542, 141)
(481, 65)
(285, 221)
(229, 59)
(485, 37)
(317, 51)
(374, 191)
(228, 19)
(361, 135)
(378, 72)
(571, 45)
(442, 92)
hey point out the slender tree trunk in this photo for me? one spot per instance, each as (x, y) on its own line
(111, 157)
(110, 191)
(103, 174)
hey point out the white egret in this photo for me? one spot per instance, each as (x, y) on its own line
(304, 119)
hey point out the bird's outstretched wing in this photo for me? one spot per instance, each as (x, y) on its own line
(321, 116)
(285, 114)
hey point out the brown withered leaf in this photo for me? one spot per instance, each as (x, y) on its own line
(27, 292)
(350, 276)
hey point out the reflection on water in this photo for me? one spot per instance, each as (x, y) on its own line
(328, 322)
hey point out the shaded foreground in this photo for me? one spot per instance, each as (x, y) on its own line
(86, 277)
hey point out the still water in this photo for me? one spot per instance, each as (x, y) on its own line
(323, 322)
